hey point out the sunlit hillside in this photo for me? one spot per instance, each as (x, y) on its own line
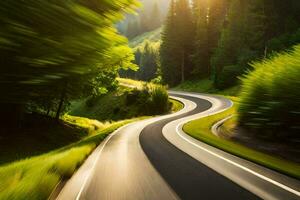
(152, 36)
(150, 16)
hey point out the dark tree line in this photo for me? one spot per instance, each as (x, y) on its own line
(218, 39)
(55, 51)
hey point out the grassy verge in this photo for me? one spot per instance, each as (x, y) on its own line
(201, 130)
(176, 105)
(36, 177)
(131, 82)
(37, 135)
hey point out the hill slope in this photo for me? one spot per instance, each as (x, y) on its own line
(152, 37)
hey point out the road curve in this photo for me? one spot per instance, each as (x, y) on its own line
(154, 159)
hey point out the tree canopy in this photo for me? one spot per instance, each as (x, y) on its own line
(220, 38)
(51, 47)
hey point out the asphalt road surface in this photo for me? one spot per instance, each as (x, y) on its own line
(154, 159)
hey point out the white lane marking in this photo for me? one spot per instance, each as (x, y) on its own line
(184, 110)
(97, 159)
(234, 163)
(186, 107)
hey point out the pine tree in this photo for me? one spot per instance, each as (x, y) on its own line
(185, 40)
(169, 50)
(232, 40)
(216, 18)
(148, 63)
(201, 56)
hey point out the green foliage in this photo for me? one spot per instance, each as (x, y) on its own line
(152, 36)
(50, 50)
(284, 41)
(148, 62)
(228, 77)
(251, 33)
(125, 103)
(201, 52)
(177, 43)
(219, 37)
(231, 43)
(216, 16)
(159, 100)
(206, 86)
(270, 96)
(146, 57)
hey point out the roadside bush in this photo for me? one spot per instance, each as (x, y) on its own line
(270, 97)
(159, 99)
(151, 99)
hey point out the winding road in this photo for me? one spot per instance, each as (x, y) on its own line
(154, 159)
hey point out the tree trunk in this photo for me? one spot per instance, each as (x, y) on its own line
(61, 102)
(266, 52)
(182, 67)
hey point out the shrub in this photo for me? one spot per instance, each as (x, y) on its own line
(151, 99)
(270, 97)
(159, 99)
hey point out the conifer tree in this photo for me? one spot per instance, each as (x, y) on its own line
(216, 18)
(148, 63)
(169, 49)
(232, 39)
(177, 43)
(185, 40)
(201, 54)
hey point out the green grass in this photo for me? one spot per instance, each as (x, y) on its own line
(134, 83)
(201, 130)
(35, 177)
(205, 86)
(126, 102)
(90, 125)
(38, 135)
(176, 105)
(111, 106)
(131, 82)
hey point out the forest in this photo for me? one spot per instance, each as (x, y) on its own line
(74, 73)
(221, 41)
